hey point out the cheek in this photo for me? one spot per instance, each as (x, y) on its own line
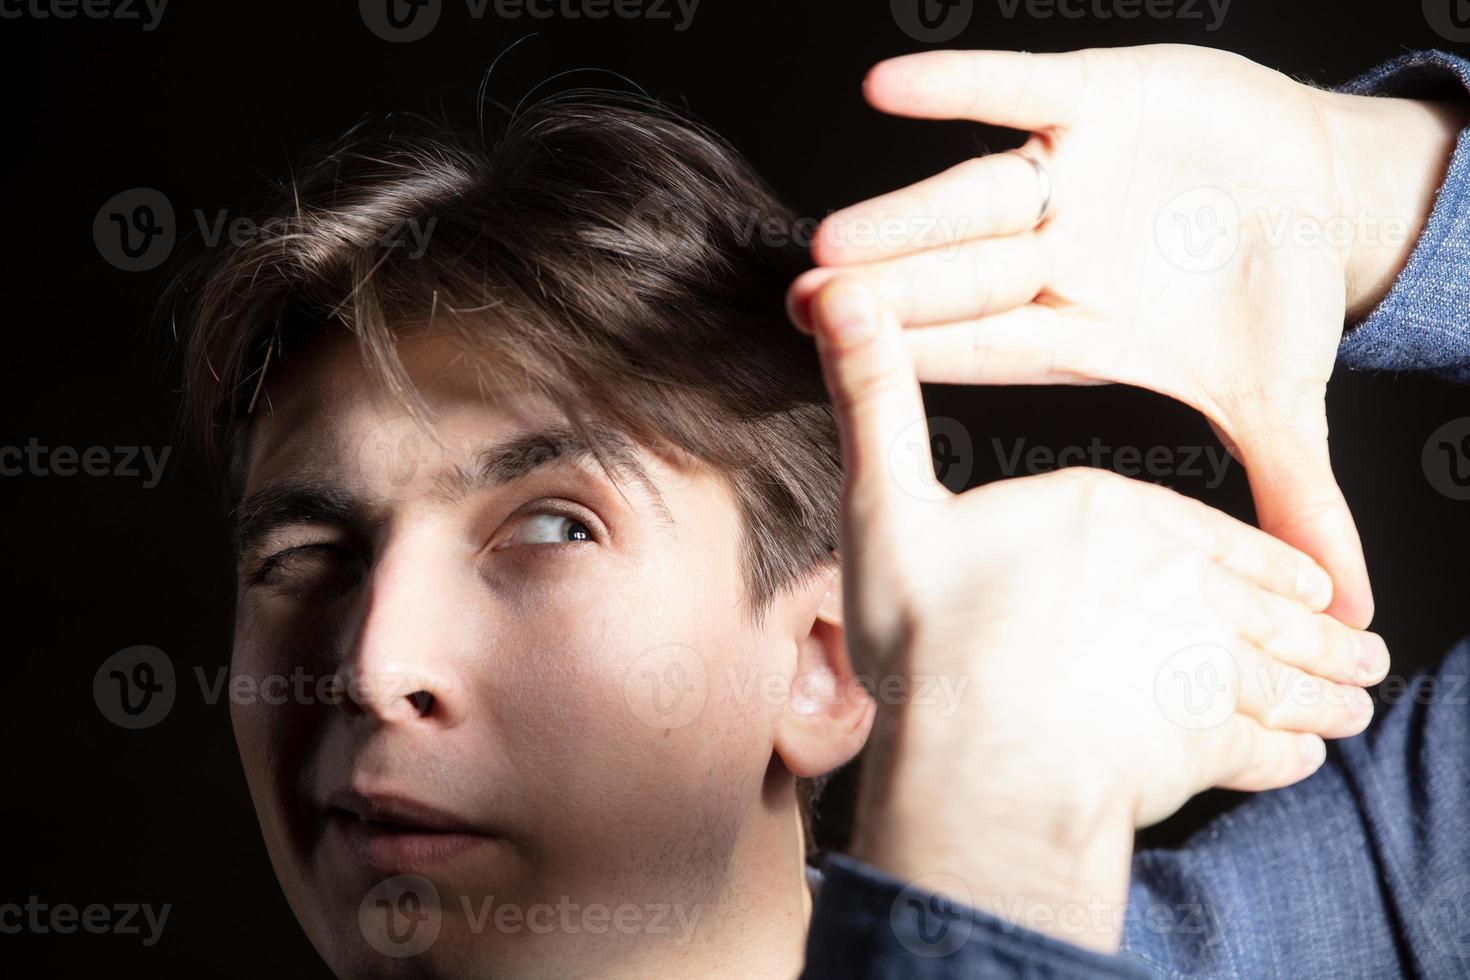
(639, 712)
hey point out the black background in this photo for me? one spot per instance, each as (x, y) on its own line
(223, 95)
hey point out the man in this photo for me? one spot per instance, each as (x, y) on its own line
(552, 504)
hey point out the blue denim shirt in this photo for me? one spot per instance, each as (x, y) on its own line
(1361, 870)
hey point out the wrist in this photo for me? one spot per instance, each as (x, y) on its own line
(1389, 159)
(1027, 846)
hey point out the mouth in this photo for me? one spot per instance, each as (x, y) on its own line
(395, 834)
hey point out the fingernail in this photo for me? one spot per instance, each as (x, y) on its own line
(1362, 702)
(1314, 751)
(849, 313)
(1373, 660)
(797, 312)
(1314, 586)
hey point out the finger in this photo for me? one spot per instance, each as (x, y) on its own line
(997, 194)
(1316, 643)
(1283, 698)
(1246, 756)
(1032, 344)
(939, 285)
(1003, 88)
(1248, 552)
(875, 396)
(1297, 500)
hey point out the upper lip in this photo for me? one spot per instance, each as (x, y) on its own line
(402, 811)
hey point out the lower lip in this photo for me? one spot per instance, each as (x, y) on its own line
(393, 850)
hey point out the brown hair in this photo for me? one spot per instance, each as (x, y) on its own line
(622, 260)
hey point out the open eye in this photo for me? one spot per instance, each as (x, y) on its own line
(545, 528)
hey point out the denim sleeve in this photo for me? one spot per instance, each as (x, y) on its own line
(1361, 870)
(869, 924)
(1423, 324)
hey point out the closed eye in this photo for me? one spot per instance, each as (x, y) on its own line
(308, 567)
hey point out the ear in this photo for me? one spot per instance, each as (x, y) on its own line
(826, 720)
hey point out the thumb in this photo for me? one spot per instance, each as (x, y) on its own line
(1297, 500)
(886, 459)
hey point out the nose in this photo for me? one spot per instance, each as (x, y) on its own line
(405, 663)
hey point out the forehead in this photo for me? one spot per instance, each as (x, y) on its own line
(327, 417)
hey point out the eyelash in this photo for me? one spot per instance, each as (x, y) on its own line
(567, 511)
(594, 530)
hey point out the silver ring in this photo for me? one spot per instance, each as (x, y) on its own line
(1043, 179)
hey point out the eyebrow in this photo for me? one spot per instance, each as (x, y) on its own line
(317, 502)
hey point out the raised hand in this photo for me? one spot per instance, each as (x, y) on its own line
(1122, 647)
(1209, 222)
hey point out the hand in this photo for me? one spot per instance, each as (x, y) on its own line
(1210, 220)
(1077, 613)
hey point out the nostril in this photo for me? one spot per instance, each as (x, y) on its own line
(423, 702)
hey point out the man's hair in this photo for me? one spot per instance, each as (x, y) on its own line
(603, 251)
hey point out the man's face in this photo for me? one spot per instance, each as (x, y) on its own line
(517, 669)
